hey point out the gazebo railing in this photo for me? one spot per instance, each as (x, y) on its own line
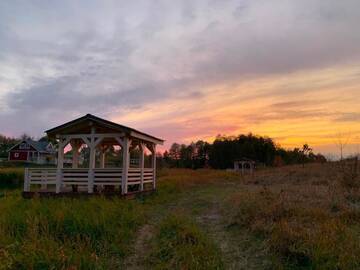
(70, 176)
(109, 177)
(38, 176)
(85, 177)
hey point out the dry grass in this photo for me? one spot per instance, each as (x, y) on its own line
(180, 244)
(304, 215)
(290, 218)
(185, 178)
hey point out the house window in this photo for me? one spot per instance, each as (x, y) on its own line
(16, 155)
(24, 146)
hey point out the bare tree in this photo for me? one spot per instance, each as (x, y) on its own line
(26, 136)
(341, 141)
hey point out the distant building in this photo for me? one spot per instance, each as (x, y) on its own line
(39, 152)
(244, 165)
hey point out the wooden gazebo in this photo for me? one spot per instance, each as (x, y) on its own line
(98, 135)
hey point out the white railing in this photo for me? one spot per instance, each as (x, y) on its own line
(38, 176)
(74, 177)
(85, 177)
(108, 177)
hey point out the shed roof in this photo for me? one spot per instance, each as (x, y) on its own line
(84, 124)
(244, 159)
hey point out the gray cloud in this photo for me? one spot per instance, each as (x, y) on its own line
(349, 117)
(67, 58)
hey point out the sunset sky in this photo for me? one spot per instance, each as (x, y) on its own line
(185, 70)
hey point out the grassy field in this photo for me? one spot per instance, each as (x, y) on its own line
(283, 218)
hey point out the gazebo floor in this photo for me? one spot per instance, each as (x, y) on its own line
(71, 194)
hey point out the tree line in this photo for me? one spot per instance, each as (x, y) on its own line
(218, 155)
(225, 149)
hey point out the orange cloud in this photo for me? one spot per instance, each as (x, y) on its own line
(304, 107)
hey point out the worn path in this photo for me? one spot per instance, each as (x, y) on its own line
(205, 205)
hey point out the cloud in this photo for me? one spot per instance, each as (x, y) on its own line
(205, 58)
(349, 117)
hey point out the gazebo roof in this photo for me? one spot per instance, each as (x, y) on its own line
(84, 124)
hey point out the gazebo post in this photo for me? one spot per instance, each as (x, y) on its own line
(141, 163)
(91, 162)
(125, 168)
(154, 164)
(60, 164)
(75, 145)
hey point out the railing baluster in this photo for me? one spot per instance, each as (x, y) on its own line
(90, 181)
(26, 180)
(44, 175)
(59, 180)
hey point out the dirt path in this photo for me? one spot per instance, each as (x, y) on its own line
(141, 246)
(239, 249)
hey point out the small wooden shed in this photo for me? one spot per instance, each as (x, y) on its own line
(98, 135)
(244, 165)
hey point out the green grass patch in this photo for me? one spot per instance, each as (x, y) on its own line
(91, 233)
(180, 244)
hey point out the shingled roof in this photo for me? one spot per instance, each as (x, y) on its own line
(40, 146)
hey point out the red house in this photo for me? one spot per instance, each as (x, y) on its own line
(40, 152)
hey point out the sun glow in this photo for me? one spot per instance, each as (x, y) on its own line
(304, 107)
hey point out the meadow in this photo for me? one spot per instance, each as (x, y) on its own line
(291, 217)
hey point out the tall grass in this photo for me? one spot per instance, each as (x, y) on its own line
(66, 233)
(298, 235)
(305, 218)
(180, 244)
(98, 233)
(185, 179)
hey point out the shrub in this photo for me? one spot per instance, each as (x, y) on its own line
(11, 177)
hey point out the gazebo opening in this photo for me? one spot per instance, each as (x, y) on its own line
(96, 155)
